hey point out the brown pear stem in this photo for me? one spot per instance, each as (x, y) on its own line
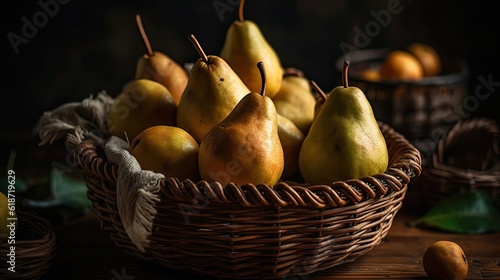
(291, 71)
(198, 48)
(240, 10)
(345, 81)
(321, 93)
(262, 71)
(143, 34)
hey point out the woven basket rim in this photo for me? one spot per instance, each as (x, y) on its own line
(284, 193)
(33, 256)
(249, 231)
(439, 168)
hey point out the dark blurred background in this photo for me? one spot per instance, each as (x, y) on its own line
(84, 47)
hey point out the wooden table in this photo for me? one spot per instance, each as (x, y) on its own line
(85, 252)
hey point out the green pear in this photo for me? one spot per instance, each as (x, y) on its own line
(142, 103)
(160, 67)
(244, 46)
(345, 141)
(245, 147)
(295, 100)
(168, 150)
(213, 90)
(291, 138)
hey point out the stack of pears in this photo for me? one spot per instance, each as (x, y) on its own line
(242, 118)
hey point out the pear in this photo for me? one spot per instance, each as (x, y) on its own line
(400, 65)
(168, 150)
(213, 90)
(160, 67)
(291, 138)
(142, 103)
(295, 100)
(320, 98)
(428, 57)
(245, 147)
(345, 141)
(244, 46)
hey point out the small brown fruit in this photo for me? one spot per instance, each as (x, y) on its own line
(445, 260)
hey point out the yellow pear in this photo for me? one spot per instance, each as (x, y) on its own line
(295, 100)
(160, 67)
(245, 46)
(7, 227)
(211, 94)
(291, 139)
(345, 141)
(245, 147)
(168, 150)
(142, 103)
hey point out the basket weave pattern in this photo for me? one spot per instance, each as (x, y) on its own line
(259, 231)
(35, 248)
(441, 180)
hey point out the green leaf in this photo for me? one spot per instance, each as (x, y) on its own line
(67, 198)
(470, 213)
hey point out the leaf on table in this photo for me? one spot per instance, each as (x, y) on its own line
(64, 190)
(470, 213)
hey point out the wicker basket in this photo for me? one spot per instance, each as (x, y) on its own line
(249, 231)
(421, 110)
(476, 165)
(35, 248)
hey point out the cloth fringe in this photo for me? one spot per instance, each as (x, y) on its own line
(136, 189)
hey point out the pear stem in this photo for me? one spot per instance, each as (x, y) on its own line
(262, 71)
(291, 71)
(240, 10)
(198, 48)
(321, 93)
(143, 34)
(345, 81)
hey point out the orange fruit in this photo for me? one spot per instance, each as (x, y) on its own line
(372, 75)
(401, 65)
(445, 260)
(428, 57)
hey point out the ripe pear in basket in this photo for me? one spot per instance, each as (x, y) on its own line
(245, 147)
(244, 46)
(211, 93)
(345, 141)
(161, 68)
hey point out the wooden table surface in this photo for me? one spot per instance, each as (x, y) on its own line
(85, 252)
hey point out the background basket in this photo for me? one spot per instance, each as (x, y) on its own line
(419, 110)
(466, 159)
(35, 247)
(259, 231)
